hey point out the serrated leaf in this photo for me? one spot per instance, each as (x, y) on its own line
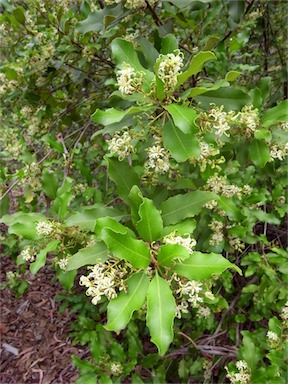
(87, 216)
(120, 309)
(168, 252)
(201, 266)
(124, 247)
(180, 207)
(160, 313)
(88, 256)
(195, 66)
(231, 98)
(123, 176)
(41, 256)
(183, 117)
(181, 146)
(259, 153)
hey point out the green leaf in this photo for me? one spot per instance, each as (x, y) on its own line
(232, 76)
(183, 117)
(66, 278)
(124, 52)
(231, 98)
(228, 205)
(23, 224)
(150, 53)
(19, 15)
(113, 115)
(259, 153)
(124, 247)
(180, 207)
(169, 44)
(113, 225)
(123, 176)
(168, 252)
(276, 114)
(120, 309)
(249, 352)
(88, 256)
(41, 256)
(87, 216)
(203, 89)
(181, 146)
(49, 184)
(160, 313)
(236, 9)
(201, 266)
(146, 217)
(195, 66)
(184, 228)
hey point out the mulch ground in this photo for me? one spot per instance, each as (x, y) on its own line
(34, 337)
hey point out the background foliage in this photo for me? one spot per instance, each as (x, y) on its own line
(60, 110)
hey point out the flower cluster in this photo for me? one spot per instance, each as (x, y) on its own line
(207, 151)
(243, 374)
(249, 118)
(27, 254)
(116, 368)
(187, 292)
(203, 312)
(121, 144)
(221, 120)
(63, 263)
(44, 228)
(158, 160)
(218, 235)
(218, 184)
(235, 243)
(169, 69)
(104, 280)
(278, 152)
(284, 313)
(128, 80)
(186, 242)
(138, 3)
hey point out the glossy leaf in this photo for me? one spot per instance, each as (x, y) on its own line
(228, 205)
(146, 217)
(87, 216)
(41, 256)
(231, 98)
(181, 146)
(120, 309)
(169, 44)
(203, 89)
(23, 224)
(113, 115)
(160, 313)
(276, 114)
(88, 256)
(124, 247)
(201, 266)
(180, 207)
(259, 153)
(49, 184)
(123, 176)
(168, 252)
(232, 75)
(113, 225)
(195, 66)
(185, 227)
(183, 117)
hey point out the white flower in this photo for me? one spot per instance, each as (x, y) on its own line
(186, 242)
(121, 145)
(220, 121)
(203, 312)
(272, 336)
(241, 365)
(169, 68)
(158, 160)
(116, 368)
(182, 307)
(44, 228)
(128, 80)
(63, 263)
(27, 255)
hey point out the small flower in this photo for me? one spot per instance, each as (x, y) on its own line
(27, 254)
(121, 144)
(186, 242)
(182, 307)
(128, 80)
(44, 228)
(169, 68)
(116, 368)
(272, 336)
(63, 263)
(203, 312)
(158, 160)
(241, 365)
